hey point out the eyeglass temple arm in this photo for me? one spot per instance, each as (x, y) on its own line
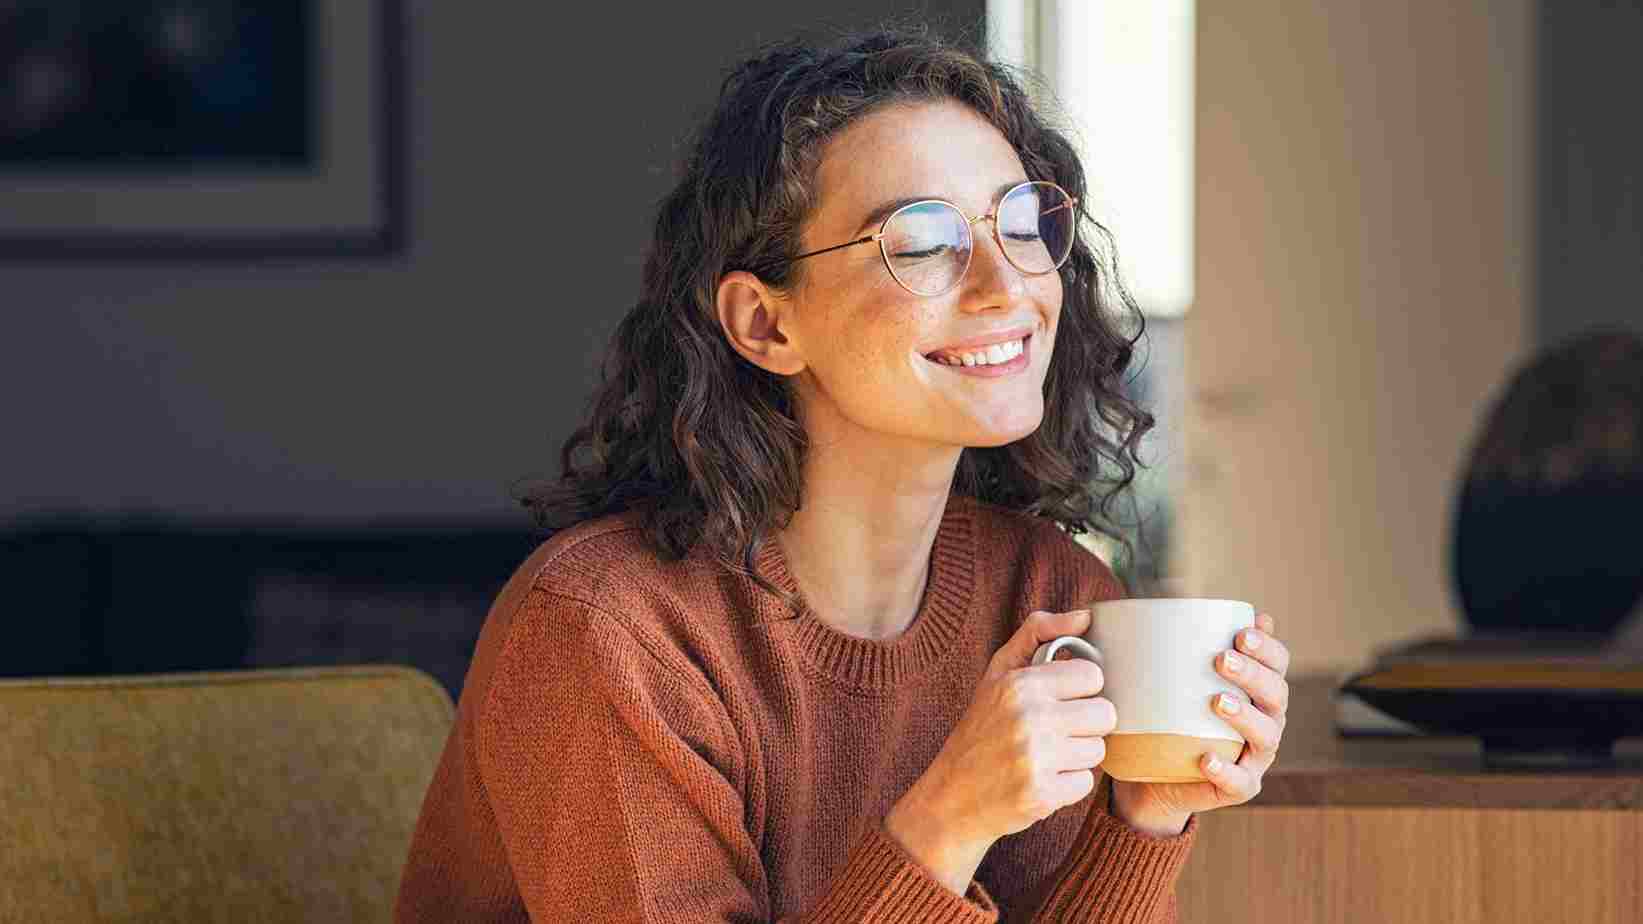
(860, 240)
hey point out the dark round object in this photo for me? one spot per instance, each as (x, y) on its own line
(1569, 558)
(1548, 519)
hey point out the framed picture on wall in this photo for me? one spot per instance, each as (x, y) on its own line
(201, 128)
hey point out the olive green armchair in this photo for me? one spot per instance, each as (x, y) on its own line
(257, 795)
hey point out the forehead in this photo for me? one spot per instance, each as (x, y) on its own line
(940, 149)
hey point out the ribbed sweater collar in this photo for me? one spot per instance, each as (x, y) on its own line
(878, 664)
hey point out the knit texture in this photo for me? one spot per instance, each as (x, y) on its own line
(648, 741)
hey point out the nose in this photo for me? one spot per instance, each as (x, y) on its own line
(992, 281)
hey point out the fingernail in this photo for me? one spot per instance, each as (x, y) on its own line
(1233, 663)
(1214, 764)
(1252, 641)
(1229, 704)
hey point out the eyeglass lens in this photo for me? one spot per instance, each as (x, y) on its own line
(928, 244)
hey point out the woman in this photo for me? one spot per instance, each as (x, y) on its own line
(774, 662)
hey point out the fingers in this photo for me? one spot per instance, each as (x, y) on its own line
(1087, 717)
(1237, 783)
(1072, 679)
(1039, 627)
(1043, 626)
(1261, 732)
(1260, 644)
(1265, 686)
(1073, 785)
(1082, 754)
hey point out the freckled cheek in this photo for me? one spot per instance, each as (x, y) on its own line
(860, 363)
(1050, 302)
(884, 335)
(1050, 294)
(851, 356)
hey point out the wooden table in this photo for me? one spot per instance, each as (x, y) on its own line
(1415, 830)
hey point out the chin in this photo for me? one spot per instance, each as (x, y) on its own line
(1003, 436)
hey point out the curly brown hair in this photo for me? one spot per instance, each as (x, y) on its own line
(707, 444)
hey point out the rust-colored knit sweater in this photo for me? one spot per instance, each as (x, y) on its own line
(645, 741)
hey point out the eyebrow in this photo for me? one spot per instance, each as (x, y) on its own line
(883, 210)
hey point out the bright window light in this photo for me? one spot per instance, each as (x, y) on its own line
(1122, 70)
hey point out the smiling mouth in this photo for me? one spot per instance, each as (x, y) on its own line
(998, 354)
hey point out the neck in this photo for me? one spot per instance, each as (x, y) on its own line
(859, 544)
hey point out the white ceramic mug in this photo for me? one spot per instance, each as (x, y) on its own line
(1158, 659)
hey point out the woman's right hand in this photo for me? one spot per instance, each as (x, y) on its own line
(1027, 745)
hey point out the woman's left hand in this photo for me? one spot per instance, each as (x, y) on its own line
(1164, 808)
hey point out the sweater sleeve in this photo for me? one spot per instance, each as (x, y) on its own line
(1113, 873)
(613, 774)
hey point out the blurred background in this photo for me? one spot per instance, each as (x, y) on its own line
(1347, 222)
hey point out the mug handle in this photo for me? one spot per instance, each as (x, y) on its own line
(1046, 652)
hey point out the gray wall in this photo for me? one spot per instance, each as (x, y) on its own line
(1590, 168)
(540, 141)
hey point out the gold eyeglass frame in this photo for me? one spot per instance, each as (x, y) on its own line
(969, 223)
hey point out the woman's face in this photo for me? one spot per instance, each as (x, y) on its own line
(864, 342)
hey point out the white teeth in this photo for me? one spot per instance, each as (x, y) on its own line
(990, 355)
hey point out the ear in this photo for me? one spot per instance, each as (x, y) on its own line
(755, 320)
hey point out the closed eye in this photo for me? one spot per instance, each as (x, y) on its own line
(935, 251)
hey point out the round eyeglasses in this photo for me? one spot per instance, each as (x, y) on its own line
(927, 244)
